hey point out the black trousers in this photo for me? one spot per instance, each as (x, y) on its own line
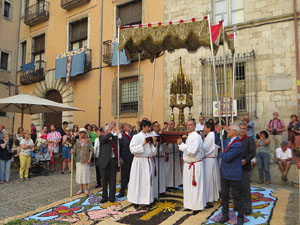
(247, 197)
(108, 177)
(98, 177)
(125, 174)
(236, 187)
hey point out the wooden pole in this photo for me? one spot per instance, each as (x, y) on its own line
(71, 178)
(215, 77)
(153, 80)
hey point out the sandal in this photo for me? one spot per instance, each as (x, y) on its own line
(86, 192)
(79, 192)
(260, 182)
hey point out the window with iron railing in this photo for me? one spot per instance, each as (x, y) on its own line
(129, 95)
(244, 83)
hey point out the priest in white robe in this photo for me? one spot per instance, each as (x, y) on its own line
(140, 187)
(194, 189)
(160, 170)
(210, 162)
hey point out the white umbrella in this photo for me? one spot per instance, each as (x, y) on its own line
(28, 104)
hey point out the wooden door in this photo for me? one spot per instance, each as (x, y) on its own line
(53, 118)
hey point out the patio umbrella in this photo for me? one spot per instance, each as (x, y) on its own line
(28, 104)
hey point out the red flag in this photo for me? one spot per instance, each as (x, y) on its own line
(215, 31)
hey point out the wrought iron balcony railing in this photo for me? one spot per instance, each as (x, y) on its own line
(37, 13)
(72, 4)
(33, 72)
(108, 53)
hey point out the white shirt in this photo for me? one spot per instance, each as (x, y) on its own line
(192, 150)
(199, 127)
(283, 155)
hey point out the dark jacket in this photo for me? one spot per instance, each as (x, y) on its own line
(106, 149)
(6, 154)
(249, 152)
(125, 153)
(231, 167)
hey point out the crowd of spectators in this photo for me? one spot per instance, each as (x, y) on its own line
(58, 143)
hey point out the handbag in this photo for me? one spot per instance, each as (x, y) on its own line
(56, 149)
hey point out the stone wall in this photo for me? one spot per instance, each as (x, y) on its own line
(269, 31)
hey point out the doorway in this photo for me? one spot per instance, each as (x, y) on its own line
(53, 117)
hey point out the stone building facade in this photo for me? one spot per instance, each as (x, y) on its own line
(9, 10)
(265, 39)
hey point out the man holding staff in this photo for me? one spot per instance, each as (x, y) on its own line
(194, 193)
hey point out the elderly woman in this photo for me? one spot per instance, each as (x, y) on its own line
(27, 146)
(83, 152)
(6, 145)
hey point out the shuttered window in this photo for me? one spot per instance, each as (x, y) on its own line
(130, 13)
(4, 60)
(39, 44)
(78, 34)
(6, 12)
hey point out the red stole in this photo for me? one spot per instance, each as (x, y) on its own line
(236, 141)
(126, 135)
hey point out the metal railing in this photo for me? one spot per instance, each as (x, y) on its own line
(36, 13)
(108, 53)
(34, 75)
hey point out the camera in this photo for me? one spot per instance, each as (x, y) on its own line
(257, 136)
(274, 131)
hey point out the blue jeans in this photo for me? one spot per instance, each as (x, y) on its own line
(263, 160)
(4, 166)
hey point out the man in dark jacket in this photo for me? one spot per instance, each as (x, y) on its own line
(108, 160)
(249, 154)
(125, 158)
(231, 174)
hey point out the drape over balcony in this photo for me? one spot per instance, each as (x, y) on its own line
(70, 64)
(155, 40)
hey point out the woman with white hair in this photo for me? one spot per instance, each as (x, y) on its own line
(83, 152)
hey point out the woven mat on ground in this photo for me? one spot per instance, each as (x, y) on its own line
(269, 206)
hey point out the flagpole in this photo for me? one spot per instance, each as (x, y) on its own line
(233, 70)
(153, 80)
(118, 88)
(214, 70)
(71, 178)
(225, 74)
(139, 72)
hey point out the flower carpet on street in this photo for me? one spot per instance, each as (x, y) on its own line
(87, 210)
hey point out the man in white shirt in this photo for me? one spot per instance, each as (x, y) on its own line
(284, 156)
(194, 193)
(200, 125)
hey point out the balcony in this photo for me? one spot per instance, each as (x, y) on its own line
(32, 72)
(108, 53)
(73, 63)
(37, 13)
(72, 4)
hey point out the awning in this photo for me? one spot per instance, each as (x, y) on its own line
(155, 40)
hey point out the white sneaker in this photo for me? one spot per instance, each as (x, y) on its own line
(86, 192)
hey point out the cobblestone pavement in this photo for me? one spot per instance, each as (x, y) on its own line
(17, 198)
